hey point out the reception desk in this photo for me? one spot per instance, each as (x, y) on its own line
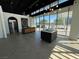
(28, 30)
(48, 36)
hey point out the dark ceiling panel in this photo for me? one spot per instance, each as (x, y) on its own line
(21, 6)
(62, 5)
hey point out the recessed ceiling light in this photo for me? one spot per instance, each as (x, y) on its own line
(52, 9)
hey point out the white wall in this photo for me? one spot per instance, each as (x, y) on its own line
(1, 32)
(18, 17)
(75, 21)
(2, 25)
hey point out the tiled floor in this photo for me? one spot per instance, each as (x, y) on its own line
(30, 46)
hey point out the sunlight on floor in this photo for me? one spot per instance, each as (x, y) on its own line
(65, 50)
(73, 44)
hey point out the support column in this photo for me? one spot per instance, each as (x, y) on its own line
(2, 25)
(75, 21)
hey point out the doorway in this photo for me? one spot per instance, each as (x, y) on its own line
(13, 25)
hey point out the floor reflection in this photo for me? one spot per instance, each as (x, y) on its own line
(30, 46)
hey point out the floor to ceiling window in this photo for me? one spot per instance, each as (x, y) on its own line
(59, 20)
(64, 22)
(68, 22)
(61, 24)
(46, 21)
(53, 18)
(41, 22)
(37, 24)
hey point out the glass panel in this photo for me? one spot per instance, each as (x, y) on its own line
(64, 23)
(61, 24)
(46, 21)
(38, 25)
(34, 21)
(53, 21)
(69, 23)
(41, 22)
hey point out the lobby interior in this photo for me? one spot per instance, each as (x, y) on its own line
(39, 29)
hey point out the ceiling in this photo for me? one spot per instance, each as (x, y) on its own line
(53, 8)
(23, 6)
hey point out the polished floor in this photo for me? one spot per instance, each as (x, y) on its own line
(30, 46)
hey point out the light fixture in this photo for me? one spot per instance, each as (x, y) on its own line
(52, 9)
(57, 6)
(33, 12)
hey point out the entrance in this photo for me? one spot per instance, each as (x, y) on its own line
(13, 25)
